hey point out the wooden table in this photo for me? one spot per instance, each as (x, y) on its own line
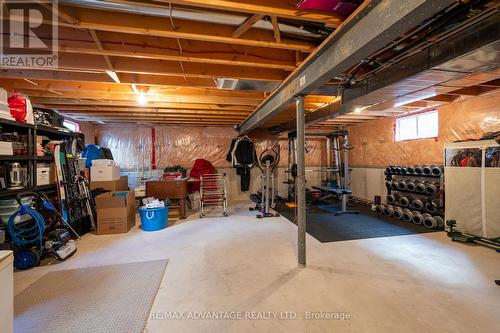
(169, 189)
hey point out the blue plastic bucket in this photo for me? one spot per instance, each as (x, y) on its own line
(154, 219)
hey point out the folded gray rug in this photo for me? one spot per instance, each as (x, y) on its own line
(114, 298)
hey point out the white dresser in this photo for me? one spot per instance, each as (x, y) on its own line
(7, 292)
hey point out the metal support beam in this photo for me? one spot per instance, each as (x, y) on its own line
(369, 29)
(300, 182)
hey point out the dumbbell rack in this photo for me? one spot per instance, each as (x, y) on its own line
(390, 176)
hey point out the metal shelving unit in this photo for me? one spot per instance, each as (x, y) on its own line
(30, 159)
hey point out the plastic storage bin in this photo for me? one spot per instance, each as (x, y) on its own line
(154, 219)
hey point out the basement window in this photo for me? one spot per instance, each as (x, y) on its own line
(419, 126)
(75, 127)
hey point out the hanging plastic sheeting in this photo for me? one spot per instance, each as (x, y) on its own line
(464, 120)
(183, 145)
(130, 145)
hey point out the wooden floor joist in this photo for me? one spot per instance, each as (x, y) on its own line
(185, 29)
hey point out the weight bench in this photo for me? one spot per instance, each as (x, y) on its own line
(337, 192)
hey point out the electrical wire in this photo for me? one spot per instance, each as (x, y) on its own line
(178, 40)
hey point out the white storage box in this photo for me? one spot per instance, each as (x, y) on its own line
(7, 291)
(44, 175)
(104, 173)
(103, 162)
(3, 96)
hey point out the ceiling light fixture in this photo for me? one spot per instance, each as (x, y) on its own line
(142, 99)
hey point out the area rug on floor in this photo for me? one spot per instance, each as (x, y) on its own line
(114, 298)
(323, 225)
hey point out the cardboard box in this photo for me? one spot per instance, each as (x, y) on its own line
(104, 173)
(45, 174)
(114, 185)
(115, 212)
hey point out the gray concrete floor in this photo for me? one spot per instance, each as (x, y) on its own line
(242, 266)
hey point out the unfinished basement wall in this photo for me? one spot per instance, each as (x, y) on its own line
(182, 145)
(375, 147)
(88, 129)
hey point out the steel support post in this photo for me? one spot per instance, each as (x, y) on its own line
(300, 182)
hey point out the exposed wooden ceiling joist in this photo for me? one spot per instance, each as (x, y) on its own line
(93, 63)
(141, 52)
(279, 8)
(74, 86)
(142, 79)
(82, 104)
(156, 97)
(184, 29)
(245, 26)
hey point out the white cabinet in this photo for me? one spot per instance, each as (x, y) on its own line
(7, 292)
(472, 187)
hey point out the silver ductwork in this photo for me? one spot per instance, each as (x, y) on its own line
(181, 13)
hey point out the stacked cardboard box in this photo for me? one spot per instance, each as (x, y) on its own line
(115, 212)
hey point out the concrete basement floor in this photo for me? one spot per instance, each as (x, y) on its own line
(418, 283)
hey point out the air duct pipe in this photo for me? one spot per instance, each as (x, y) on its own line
(182, 13)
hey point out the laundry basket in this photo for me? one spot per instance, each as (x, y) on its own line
(154, 219)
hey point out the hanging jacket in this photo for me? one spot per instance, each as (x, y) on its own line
(242, 152)
(242, 156)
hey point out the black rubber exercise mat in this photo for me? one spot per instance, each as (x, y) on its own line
(323, 225)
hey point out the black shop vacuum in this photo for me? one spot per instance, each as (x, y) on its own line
(36, 237)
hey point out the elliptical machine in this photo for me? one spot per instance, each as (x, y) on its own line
(267, 163)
